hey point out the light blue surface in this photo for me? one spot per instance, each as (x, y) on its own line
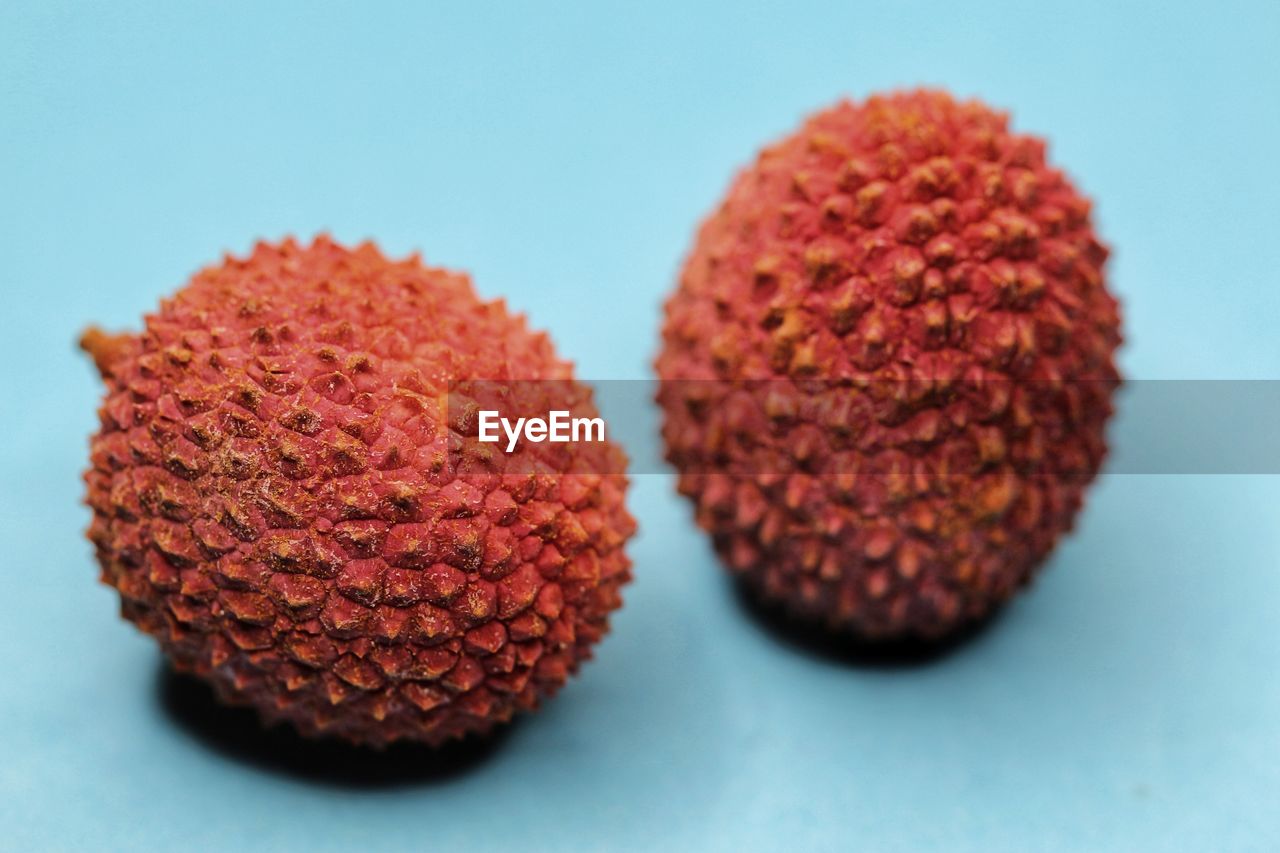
(1130, 701)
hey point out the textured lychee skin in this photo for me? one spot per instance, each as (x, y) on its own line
(279, 500)
(888, 365)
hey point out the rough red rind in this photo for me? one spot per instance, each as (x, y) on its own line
(274, 499)
(894, 324)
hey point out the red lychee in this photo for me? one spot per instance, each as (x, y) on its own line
(285, 501)
(888, 365)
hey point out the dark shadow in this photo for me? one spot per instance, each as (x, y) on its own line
(239, 734)
(817, 641)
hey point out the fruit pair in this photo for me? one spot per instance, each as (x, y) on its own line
(886, 371)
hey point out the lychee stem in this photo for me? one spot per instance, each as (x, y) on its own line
(104, 348)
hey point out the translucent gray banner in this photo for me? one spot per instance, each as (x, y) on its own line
(845, 427)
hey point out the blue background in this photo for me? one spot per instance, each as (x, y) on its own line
(563, 154)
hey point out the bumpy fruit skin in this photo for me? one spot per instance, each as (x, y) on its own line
(275, 498)
(888, 365)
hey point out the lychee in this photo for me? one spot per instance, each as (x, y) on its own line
(287, 499)
(888, 364)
